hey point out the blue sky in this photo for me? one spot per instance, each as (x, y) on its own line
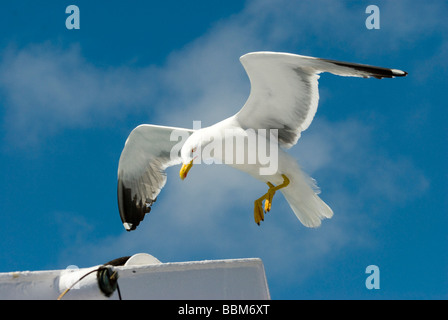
(377, 148)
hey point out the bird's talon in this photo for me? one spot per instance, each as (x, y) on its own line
(267, 206)
(258, 211)
(268, 197)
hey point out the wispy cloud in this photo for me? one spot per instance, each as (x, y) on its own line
(47, 89)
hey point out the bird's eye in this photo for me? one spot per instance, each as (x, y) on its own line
(193, 150)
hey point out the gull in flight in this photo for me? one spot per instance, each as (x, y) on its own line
(283, 98)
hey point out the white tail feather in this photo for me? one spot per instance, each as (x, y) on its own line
(304, 201)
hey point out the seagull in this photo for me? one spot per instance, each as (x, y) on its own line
(283, 99)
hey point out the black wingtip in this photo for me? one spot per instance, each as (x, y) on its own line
(375, 72)
(132, 211)
(399, 73)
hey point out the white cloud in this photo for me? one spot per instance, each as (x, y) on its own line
(48, 89)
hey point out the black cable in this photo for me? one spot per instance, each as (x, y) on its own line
(107, 281)
(118, 291)
(69, 288)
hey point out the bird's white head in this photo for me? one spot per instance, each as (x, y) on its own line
(189, 152)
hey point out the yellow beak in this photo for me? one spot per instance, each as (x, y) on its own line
(184, 170)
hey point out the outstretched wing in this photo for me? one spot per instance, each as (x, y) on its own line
(284, 90)
(148, 151)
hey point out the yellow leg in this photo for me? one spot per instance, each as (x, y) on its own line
(258, 208)
(269, 197)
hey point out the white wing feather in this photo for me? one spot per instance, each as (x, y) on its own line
(141, 170)
(284, 90)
